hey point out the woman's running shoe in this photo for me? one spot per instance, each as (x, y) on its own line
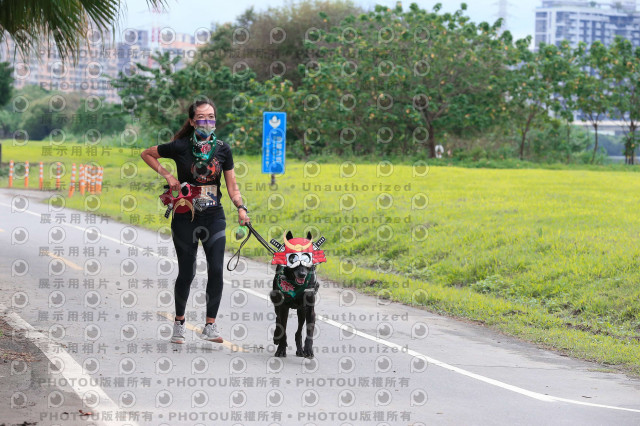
(210, 333)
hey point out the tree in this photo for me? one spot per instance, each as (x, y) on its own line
(93, 114)
(6, 82)
(275, 94)
(548, 142)
(247, 18)
(160, 96)
(9, 118)
(67, 22)
(47, 113)
(405, 76)
(275, 38)
(529, 90)
(561, 69)
(625, 96)
(593, 94)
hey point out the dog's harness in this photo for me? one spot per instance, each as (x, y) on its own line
(293, 289)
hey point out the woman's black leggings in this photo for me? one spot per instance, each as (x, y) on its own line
(186, 234)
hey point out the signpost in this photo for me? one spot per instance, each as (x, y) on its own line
(274, 131)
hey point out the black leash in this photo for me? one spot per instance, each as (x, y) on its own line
(258, 237)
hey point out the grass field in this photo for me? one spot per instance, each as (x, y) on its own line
(551, 256)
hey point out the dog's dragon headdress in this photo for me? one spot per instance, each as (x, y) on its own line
(298, 245)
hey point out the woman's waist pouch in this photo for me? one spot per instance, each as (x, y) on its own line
(206, 196)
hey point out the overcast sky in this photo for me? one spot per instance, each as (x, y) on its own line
(185, 16)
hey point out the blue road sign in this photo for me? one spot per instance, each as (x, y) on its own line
(274, 131)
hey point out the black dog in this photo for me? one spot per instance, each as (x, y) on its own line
(295, 287)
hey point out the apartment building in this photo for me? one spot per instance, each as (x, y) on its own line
(586, 21)
(99, 58)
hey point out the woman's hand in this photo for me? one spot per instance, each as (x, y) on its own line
(243, 218)
(174, 184)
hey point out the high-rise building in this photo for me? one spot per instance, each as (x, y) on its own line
(47, 69)
(586, 21)
(134, 49)
(97, 59)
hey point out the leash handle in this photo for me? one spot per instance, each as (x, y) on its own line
(258, 237)
(237, 254)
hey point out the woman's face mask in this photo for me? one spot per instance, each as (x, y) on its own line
(205, 128)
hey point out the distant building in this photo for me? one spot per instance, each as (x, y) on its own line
(183, 45)
(138, 47)
(45, 68)
(134, 49)
(97, 58)
(586, 21)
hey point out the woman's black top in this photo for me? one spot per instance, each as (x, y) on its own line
(195, 171)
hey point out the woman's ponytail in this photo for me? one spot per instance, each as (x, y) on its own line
(185, 131)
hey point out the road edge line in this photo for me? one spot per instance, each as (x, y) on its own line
(72, 371)
(488, 380)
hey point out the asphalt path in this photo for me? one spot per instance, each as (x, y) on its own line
(93, 298)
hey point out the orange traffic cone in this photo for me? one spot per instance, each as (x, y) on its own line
(72, 186)
(58, 177)
(41, 175)
(82, 179)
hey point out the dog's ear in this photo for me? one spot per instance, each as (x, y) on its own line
(289, 235)
(309, 235)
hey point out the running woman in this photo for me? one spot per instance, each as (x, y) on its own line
(201, 158)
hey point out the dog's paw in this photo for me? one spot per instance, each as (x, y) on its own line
(281, 352)
(307, 351)
(300, 353)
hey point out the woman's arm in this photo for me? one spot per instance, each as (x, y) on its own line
(150, 156)
(234, 195)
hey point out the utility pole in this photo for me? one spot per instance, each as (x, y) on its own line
(503, 12)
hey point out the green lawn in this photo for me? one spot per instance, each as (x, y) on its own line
(551, 256)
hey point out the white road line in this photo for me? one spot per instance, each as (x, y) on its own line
(531, 394)
(433, 361)
(402, 349)
(72, 371)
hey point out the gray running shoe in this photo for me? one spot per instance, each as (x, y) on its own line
(210, 333)
(179, 331)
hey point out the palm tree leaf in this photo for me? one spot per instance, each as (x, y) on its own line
(29, 22)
